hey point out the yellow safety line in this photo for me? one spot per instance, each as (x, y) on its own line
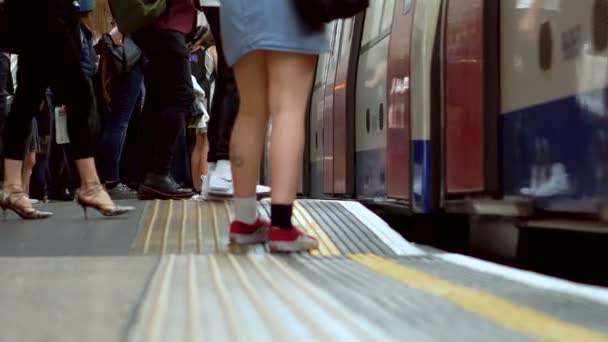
(199, 227)
(216, 233)
(330, 247)
(194, 323)
(228, 211)
(309, 290)
(226, 301)
(182, 234)
(276, 324)
(286, 295)
(234, 248)
(150, 227)
(322, 249)
(512, 316)
(167, 228)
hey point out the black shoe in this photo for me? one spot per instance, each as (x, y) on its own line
(121, 192)
(157, 186)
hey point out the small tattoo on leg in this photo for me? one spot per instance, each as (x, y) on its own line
(237, 161)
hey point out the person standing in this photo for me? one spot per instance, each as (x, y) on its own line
(269, 47)
(169, 95)
(224, 108)
(61, 70)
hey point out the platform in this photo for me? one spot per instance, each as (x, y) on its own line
(167, 273)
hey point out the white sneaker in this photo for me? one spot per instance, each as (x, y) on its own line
(558, 183)
(220, 180)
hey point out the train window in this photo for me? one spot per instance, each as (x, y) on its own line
(373, 18)
(387, 15)
(407, 6)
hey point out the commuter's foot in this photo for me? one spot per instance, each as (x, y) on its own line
(290, 240)
(243, 233)
(120, 191)
(157, 186)
(219, 182)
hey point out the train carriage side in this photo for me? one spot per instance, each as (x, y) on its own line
(554, 95)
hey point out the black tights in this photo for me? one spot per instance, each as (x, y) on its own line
(225, 104)
(51, 61)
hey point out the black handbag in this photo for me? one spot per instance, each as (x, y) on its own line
(316, 13)
(123, 57)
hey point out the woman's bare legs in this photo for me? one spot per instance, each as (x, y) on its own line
(89, 182)
(290, 77)
(26, 174)
(199, 161)
(277, 83)
(247, 140)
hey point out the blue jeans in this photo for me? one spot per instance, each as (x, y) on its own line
(125, 93)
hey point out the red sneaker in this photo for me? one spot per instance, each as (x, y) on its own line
(244, 234)
(294, 240)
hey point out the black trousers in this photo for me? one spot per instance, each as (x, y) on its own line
(225, 104)
(169, 94)
(52, 61)
(4, 75)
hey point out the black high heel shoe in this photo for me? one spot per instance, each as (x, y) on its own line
(103, 209)
(8, 201)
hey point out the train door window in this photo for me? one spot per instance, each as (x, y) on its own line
(387, 16)
(373, 18)
(407, 6)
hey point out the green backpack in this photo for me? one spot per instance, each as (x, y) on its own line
(133, 15)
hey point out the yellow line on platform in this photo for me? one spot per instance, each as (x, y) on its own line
(507, 314)
(326, 246)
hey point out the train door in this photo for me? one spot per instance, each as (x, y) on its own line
(328, 111)
(341, 123)
(471, 97)
(316, 118)
(398, 134)
(426, 100)
(371, 100)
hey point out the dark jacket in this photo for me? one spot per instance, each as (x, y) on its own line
(88, 55)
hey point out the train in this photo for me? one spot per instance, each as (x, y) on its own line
(479, 107)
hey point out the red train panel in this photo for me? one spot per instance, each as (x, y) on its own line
(398, 134)
(464, 97)
(340, 123)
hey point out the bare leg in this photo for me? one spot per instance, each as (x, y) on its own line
(288, 101)
(13, 181)
(89, 180)
(28, 166)
(248, 133)
(199, 161)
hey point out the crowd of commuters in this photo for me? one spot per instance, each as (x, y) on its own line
(176, 110)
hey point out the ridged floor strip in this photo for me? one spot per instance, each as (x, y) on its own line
(405, 313)
(341, 237)
(519, 318)
(353, 230)
(591, 313)
(193, 227)
(381, 229)
(242, 298)
(326, 245)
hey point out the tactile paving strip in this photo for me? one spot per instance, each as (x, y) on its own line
(404, 312)
(242, 298)
(193, 227)
(581, 311)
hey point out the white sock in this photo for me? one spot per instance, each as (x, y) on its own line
(245, 210)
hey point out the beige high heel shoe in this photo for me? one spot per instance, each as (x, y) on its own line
(8, 201)
(85, 200)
